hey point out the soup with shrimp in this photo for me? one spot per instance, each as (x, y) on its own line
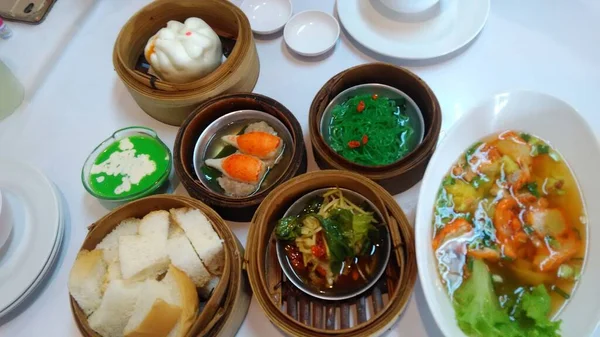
(509, 236)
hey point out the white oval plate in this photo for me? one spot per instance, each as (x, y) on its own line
(554, 121)
(267, 16)
(311, 33)
(35, 215)
(379, 29)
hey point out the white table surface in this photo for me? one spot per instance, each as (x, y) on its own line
(549, 46)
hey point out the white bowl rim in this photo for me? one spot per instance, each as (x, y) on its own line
(274, 29)
(423, 213)
(307, 12)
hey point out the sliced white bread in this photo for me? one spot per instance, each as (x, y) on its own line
(110, 243)
(185, 295)
(86, 278)
(113, 272)
(155, 313)
(207, 290)
(116, 308)
(184, 257)
(175, 230)
(142, 257)
(155, 224)
(203, 237)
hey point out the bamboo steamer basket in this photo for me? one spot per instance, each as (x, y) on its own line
(403, 174)
(234, 209)
(298, 314)
(233, 282)
(172, 102)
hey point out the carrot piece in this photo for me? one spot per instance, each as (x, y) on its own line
(458, 225)
(484, 254)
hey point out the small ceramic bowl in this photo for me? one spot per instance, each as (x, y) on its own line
(5, 224)
(412, 109)
(237, 120)
(336, 294)
(156, 187)
(267, 16)
(311, 33)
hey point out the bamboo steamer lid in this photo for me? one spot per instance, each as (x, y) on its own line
(403, 174)
(233, 276)
(234, 209)
(172, 102)
(298, 314)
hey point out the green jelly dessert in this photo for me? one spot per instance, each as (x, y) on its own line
(129, 166)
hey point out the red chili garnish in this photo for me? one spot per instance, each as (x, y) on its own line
(375, 96)
(353, 144)
(361, 106)
(318, 251)
(321, 271)
(295, 257)
(365, 139)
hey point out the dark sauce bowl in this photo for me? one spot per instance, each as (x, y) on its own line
(337, 294)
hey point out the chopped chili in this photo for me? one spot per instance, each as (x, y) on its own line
(365, 139)
(295, 257)
(361, 106)
(321, 271)
(318, 251)
(353, 144)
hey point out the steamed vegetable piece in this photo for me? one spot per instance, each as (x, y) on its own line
(479, 314)
(508, 236)
(337, 240)
(371, 130)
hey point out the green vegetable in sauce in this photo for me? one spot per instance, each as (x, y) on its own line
(313, 206)
(565, 271)
(525, 136)
(448, 181)
(539, 149)
(336, 229)
(472, 150)
(532, 187)
(288, 228)
(479, 313)
(371, 130)
(561, 292)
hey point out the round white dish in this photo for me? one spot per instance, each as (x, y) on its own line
(35, 214)
(385, 32)
(267, 16)
(409, 6)
(5, 226)
(311, 33)
(554, 121)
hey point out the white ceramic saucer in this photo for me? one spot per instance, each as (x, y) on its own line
(311, 33)
(267, 16)
(34, 211)
(454, 24)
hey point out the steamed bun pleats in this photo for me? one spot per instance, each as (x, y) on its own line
(260, 144)
(184, 52)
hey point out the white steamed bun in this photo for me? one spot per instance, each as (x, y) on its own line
(184, 52)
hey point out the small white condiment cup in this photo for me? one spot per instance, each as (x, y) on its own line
(5, 224)
(410, 6)
(267, 16)
(311, 33)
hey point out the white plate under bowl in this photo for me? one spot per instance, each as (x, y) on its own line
(5, 226)
(391, 34)
(267, 16)
(35, 214)
(311, 33)
(554, 121)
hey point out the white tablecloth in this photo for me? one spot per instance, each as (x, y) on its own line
(77, 101)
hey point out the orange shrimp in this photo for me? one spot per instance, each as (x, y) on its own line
(454, 228)
(243, 168)
(260, 144)
(484, 254)
(509, 231)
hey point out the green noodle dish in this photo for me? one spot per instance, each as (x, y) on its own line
(372, 130)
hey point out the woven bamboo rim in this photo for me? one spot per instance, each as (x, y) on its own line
(298, 314)
(232, 271)
(172, 102)
(405, 173)
(235, 209)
